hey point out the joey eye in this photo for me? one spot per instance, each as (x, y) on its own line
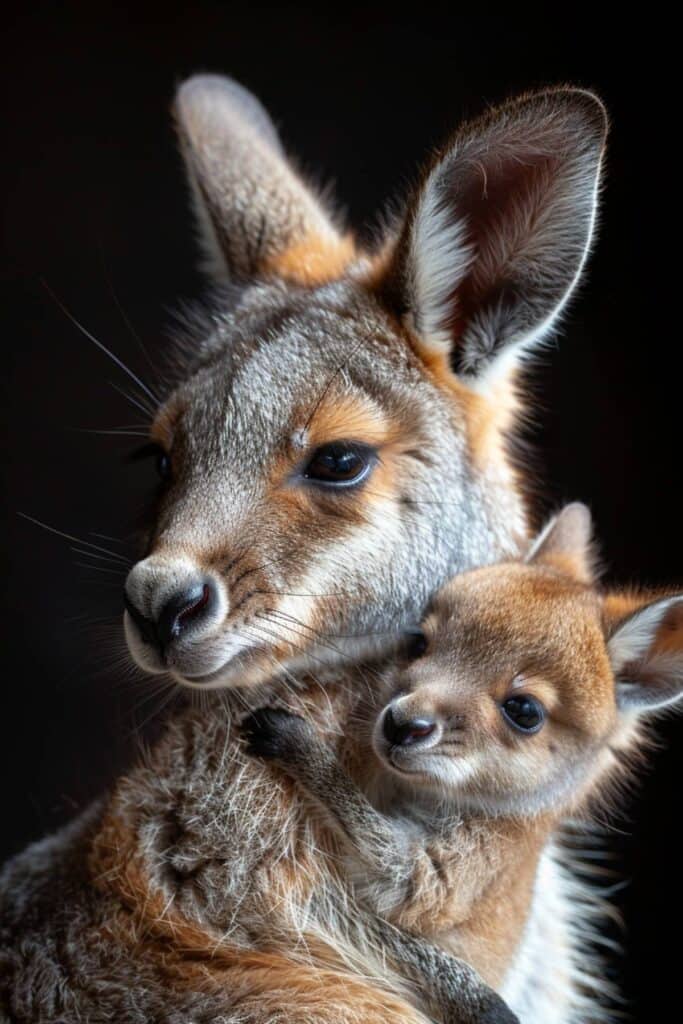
(161, 457)
(414, 643)
(523, 713)
(340, 464)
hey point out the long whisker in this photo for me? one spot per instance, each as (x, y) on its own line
(124, 315)
(309, 636)
(335, 636)
(115, 432)
(344, 657)
(70, 536)
(91, 337)
(133, 401)
(94, 554)
(101, 568)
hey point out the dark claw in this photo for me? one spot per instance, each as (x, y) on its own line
(496, 1011)
(489, 1009)
(273, 733)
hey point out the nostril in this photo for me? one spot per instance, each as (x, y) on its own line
(403, 734)
(183, 610)
(193, 610)
(411, 732)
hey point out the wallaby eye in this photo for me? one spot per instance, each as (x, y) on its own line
(524, 713)
(159, 454)
(340, 464)
(414, 643)
(163, 465)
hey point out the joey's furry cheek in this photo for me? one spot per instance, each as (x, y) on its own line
(275, 734)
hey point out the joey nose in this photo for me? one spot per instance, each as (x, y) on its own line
(403, 734)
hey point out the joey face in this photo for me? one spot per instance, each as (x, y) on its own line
(525, 681)
(510, 707)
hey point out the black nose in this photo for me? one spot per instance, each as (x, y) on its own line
(184, 609)
(402, 734)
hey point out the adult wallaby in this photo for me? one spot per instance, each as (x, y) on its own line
(334, 450)
(521, 702)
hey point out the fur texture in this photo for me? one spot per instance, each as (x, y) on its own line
(200, 890)
(466, 803)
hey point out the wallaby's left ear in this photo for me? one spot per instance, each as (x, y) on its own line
(255, 214)
(646, 652)
(566, 544)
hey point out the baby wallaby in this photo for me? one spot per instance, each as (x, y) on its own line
(525, 687)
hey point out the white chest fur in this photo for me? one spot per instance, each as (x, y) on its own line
(550, 980)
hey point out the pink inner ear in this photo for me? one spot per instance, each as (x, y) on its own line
(502, 203)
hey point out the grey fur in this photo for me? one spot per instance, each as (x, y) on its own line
(212, 827)
(207, 828)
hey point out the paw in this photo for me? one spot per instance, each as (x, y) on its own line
(490, 1009)
(495, 1010)
(275, 734)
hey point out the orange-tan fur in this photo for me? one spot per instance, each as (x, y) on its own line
(313, 261)
(202, 851)
(489, 799)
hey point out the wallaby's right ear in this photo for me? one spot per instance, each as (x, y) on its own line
(495, 237)
(255, 214)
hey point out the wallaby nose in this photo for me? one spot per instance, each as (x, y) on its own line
(183, 610)
(402, 734)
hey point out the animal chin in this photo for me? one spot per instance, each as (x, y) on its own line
(404, 764)
(237, 665)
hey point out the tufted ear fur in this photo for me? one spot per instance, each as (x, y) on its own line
(494, 239)
(566, 544)
(645, 646)
(255, 214)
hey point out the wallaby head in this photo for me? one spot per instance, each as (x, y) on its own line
(335, 447)
(526, 681)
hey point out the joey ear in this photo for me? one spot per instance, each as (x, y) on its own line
(566, 543)
(254, 213)
(495, 237)
(645, 649)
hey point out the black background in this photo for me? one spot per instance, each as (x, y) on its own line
(95, 205)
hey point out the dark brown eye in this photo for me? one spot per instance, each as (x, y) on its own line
(414, 644)
(523, 713)
(161, 457)
(164, 465)
(340, 464)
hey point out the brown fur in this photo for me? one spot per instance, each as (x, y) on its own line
(486, 796)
